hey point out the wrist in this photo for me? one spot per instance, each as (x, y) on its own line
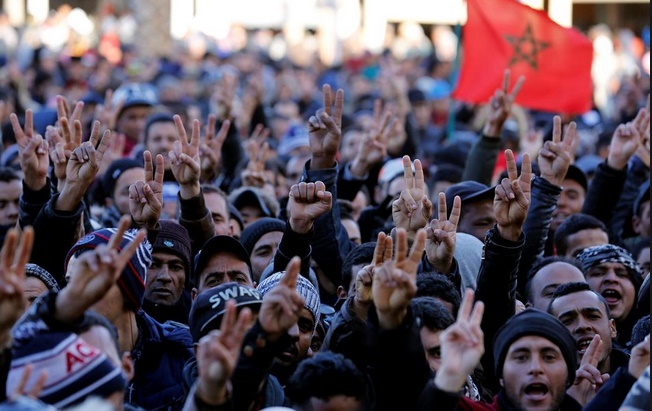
(35, 183)
(442, 265)
(449, 381)
(301, 226)
(187, 191)
(359, 168)
(69, 198)
(616, 162)
(552, 179)
(509, 232)
(212, 395)
(65, 308)
(321, 162)
(492, 130)
(390, 320)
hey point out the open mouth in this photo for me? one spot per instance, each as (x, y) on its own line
(611, 296)
(536, 391)
(583, 344)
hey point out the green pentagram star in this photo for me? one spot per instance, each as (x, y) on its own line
(526, 47)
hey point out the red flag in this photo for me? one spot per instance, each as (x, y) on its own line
(556, 61)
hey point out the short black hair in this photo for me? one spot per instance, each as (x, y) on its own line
(438, 286)
(445, 172)
(362, 254)
(431, 313)
(324, 376)
(574, 224)
(572, 288)
(160, 117)
(8, 174)
(346, 209)
(544, 261)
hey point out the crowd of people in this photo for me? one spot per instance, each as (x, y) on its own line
(233, 232)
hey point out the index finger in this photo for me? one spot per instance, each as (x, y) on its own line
(416, 253)
(29, 122)
(181, 130)
(339, 107)
(210, 126)
(160, 171)
(24, 250)
(556, 129)
(506, 75)
(291, 276)
(327, 98)
(148, 165)
(62, 107)
(95, 133)
(593, 351)
(419, 178)
(116, 238)
(77, 112)
(224, 131)
(466, 306)
(442, 209)
(379, 250)
(407, 172)
(571, 133)
(456, 212)
(378, 108)
(526, 169)
(512, 171)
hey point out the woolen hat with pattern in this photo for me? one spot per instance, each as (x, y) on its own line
(534, 322)
(75, 369)
(36, 271)
(304, 288)
(259, 228)
(174, 238)
(134, 276)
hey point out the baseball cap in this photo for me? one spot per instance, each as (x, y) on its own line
(245, 196)
(219, 244)
(134, 94)
(208, 309)
(469, 191)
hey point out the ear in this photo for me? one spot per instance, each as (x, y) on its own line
(502, 382)
(341, 292)
(193, 293)
(194, 349)
(636, 224)
(127, 365)
(612, 328)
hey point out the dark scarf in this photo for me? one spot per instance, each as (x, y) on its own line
(503, 404)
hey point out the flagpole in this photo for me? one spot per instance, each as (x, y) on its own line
(450, 125)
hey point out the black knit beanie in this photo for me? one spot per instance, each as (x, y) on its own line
(259, 228)
(174, 238)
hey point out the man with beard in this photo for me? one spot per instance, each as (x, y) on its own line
(613, 273)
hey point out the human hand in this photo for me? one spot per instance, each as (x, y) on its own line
(412, 210)
(440, 247)
(639, 358)
(94, 272)
(643, 151)
(500, 106)
(32, 151)
(218, 352)
(21, 389)
(626, 141)
(282, 304)
(225, 95)
(364, 278)
(15, 253)
(556, 156)
(307, 202)
(257, 150)
(373, 146)
(395, 281)
(325, 130)
(146, 197)
(588, 379)
(210, 149)
(512, 197)
(462, 346)
(107, 113)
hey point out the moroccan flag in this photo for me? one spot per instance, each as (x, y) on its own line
(505, 34)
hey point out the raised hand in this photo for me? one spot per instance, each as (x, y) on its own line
(555, 156)
(184, 156)
(225, 95)
(107, 113)
(373, 147)
(325, 130)
(500, 106)
(306, 203)
(85, 160)
(218, 352)
(626, 141)
(364, 278)
(94, 272)
(440, 246)
(146, 197)
(639, 358)
(412, 210)
(21, 389)
(512, 197)
(32, 150)
(210, 149)
(258, 152)
(395, 281)
(14, 255)
(63, 111)
(643, 127)
(282, 304)
(462, 346)
(588, 379)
